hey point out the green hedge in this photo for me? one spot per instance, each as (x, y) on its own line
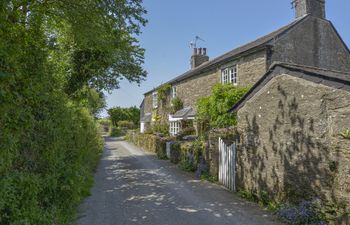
(48, 150)
(116, 132)
(148, 142)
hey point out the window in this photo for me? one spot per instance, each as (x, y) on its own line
(224, 76)
(229, 75)
(155, 100)
(174, 128)
(173, 92)
(233, 75)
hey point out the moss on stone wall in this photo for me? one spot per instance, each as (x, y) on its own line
(149, 143)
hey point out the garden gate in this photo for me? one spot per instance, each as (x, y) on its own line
(227, 165)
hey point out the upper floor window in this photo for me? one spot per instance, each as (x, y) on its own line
(173, 92)
(155, 100)
(229, 75)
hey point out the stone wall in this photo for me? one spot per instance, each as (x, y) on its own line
(290, 145)
(190, 90)
(148, 104)
(250, 69)
(313, 42)
(228, 135)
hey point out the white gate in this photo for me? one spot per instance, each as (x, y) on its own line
(227, 165)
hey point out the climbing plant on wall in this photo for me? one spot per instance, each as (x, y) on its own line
(163, 93)
(212, 110)
(176, 105)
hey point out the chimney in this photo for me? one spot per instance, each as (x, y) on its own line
(199, 57)
(314, 8)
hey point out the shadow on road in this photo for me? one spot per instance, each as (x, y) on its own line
(140, 189)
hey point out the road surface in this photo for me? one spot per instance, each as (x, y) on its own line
(133, 187)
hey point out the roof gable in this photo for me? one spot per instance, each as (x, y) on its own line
(335, 79)
(260, 42)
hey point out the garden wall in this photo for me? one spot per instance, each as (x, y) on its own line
(148, 142)
(291, 145)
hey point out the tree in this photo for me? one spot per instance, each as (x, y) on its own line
(56, 57)
(91, 42)
(131, 114)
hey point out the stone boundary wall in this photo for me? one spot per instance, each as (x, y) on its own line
(148, 142)
(290, 145)
(228, 135)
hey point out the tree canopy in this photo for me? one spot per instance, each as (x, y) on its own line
(88, 42)
(131, 114)
(56, 59)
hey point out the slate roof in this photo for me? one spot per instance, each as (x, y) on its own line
(335, 79)
(185, 113)
(260, 42)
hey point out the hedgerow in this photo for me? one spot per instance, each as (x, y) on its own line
(49, 149)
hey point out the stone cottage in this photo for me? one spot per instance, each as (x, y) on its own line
(309, 40)
(292, 126)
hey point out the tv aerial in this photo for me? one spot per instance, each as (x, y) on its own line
(193, 44)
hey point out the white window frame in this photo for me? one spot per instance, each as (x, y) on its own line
(174, 127)
(155, 99)
(224, 76)
(233, 75)
(229, 75)
(173, 93)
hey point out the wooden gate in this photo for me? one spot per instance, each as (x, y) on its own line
(227, 165)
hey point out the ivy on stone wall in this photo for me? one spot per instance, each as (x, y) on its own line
(176, 105)
(212, 110)
(163, 93)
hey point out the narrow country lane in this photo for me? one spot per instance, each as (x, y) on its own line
(132, 187)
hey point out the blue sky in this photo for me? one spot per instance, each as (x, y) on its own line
(223, 24)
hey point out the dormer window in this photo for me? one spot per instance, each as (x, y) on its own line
(229, 75)
(155, 100)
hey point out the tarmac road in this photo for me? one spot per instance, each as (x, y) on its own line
(133, 187)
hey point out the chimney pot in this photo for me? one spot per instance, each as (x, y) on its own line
(200, 51)
(194, 51)
(204, 51)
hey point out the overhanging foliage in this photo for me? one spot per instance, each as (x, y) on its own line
(212, 110)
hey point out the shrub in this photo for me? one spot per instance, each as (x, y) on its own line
(208, 177)
(116, 132)
(126, 124)
(161, 128)
(176, 105)
(187, 166)
(185, 132)
(117, 114)
(305, 213)
(161, 148)
(163, 93)
(175, 152)
(47, 167)
(105, 124)
(212, 110)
